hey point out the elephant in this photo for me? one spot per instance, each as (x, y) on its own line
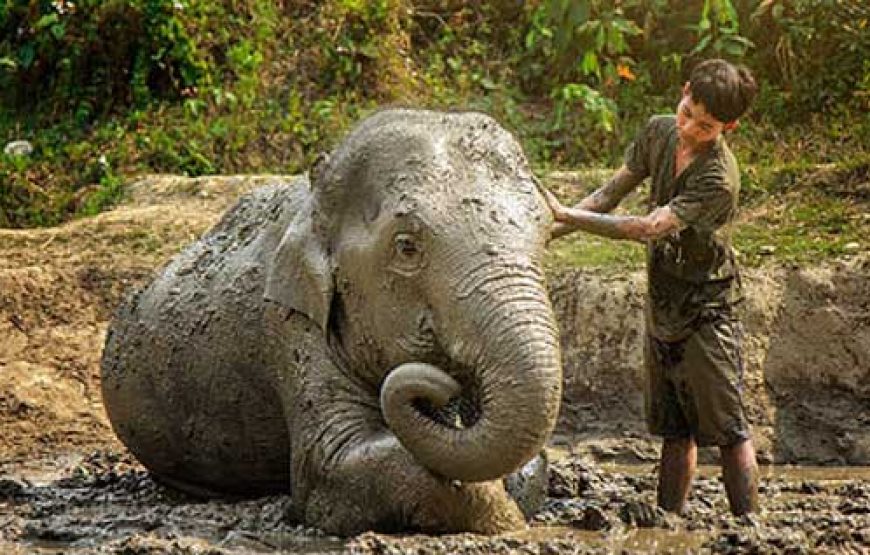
(373, 337)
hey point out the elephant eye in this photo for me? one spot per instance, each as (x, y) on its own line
(407, 255)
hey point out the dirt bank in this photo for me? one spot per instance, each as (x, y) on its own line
(807, 369)
(807, 376)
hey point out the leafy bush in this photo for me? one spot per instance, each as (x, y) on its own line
(815, 51)
(194, 87)
(91, 55)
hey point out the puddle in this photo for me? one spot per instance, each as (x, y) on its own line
(654, 540)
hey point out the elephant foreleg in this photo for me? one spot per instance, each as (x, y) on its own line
(351, 474)
(377, 485)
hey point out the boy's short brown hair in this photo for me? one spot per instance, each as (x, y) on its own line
(725, 90)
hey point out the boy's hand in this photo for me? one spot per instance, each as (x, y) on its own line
(558, 209)
(560, 227)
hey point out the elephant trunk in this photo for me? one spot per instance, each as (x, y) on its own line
(506, 332)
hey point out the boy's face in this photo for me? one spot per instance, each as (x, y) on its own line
(695, 126)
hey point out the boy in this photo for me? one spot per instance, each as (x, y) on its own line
(692, 350)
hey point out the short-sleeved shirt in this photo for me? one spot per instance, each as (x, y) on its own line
(693, 272)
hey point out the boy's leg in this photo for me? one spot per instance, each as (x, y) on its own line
(665, 417)
(713, 354)
(676, 469)
(740, 474)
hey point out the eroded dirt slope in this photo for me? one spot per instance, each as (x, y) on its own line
(807, 361)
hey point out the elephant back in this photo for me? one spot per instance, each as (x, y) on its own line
(182, 366)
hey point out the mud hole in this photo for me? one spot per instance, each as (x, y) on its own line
(67, 485)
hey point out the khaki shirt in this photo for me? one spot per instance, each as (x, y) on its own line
(691, 272)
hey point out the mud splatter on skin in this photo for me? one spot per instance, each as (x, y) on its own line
(373, 273)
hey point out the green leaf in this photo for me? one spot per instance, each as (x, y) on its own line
(488, 84)
(702, 45)
(600, 38)
(58, 31)
(531, 39)
(627, 27)
(733, 48)
(727, 13)
(26, 55)
(370, 51)
(579, 13)
(615, 41)
(45, 21)
(776, 11)
(589, 65)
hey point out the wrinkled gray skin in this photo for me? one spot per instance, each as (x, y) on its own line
(378, 341)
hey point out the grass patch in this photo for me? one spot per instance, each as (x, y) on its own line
(802, 228)
(582, 250)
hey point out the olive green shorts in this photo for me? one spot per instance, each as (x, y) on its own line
(694, 385)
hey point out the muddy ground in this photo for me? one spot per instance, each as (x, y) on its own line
(67, 485)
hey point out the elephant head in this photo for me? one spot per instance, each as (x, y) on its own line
(418, 254)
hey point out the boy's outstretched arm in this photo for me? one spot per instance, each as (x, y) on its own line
(660, 222)
(602, 200)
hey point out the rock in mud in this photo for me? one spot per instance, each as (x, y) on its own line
(12, 489)
(592, 518)
(642, 515)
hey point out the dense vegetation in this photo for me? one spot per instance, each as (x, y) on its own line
(107, 89)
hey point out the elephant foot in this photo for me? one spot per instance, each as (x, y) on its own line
(478, 507)
(425, 503)
(528, 486)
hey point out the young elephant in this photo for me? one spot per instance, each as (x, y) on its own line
(378, 342)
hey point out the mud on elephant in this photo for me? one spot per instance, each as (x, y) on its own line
(378, 340)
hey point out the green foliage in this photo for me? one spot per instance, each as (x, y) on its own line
(581, 40)
(599, 107)
(69, 69)
(89, 55)
(718, 31)
(106, 89)
(814, 51)
(108, 192)
(585, 50)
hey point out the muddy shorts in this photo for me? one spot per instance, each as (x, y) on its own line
(694, 385)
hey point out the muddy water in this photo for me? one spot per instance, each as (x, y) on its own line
(105, 503)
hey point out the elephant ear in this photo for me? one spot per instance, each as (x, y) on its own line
(301, 273)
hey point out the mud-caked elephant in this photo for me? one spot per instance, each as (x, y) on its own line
(375, 338)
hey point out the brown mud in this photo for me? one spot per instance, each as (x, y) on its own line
(67, 485)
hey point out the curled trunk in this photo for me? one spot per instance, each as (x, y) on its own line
(509, 337)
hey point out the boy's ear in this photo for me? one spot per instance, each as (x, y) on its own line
(686, 88)
(731, 125)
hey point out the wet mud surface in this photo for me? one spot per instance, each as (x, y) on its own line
(104, 502)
